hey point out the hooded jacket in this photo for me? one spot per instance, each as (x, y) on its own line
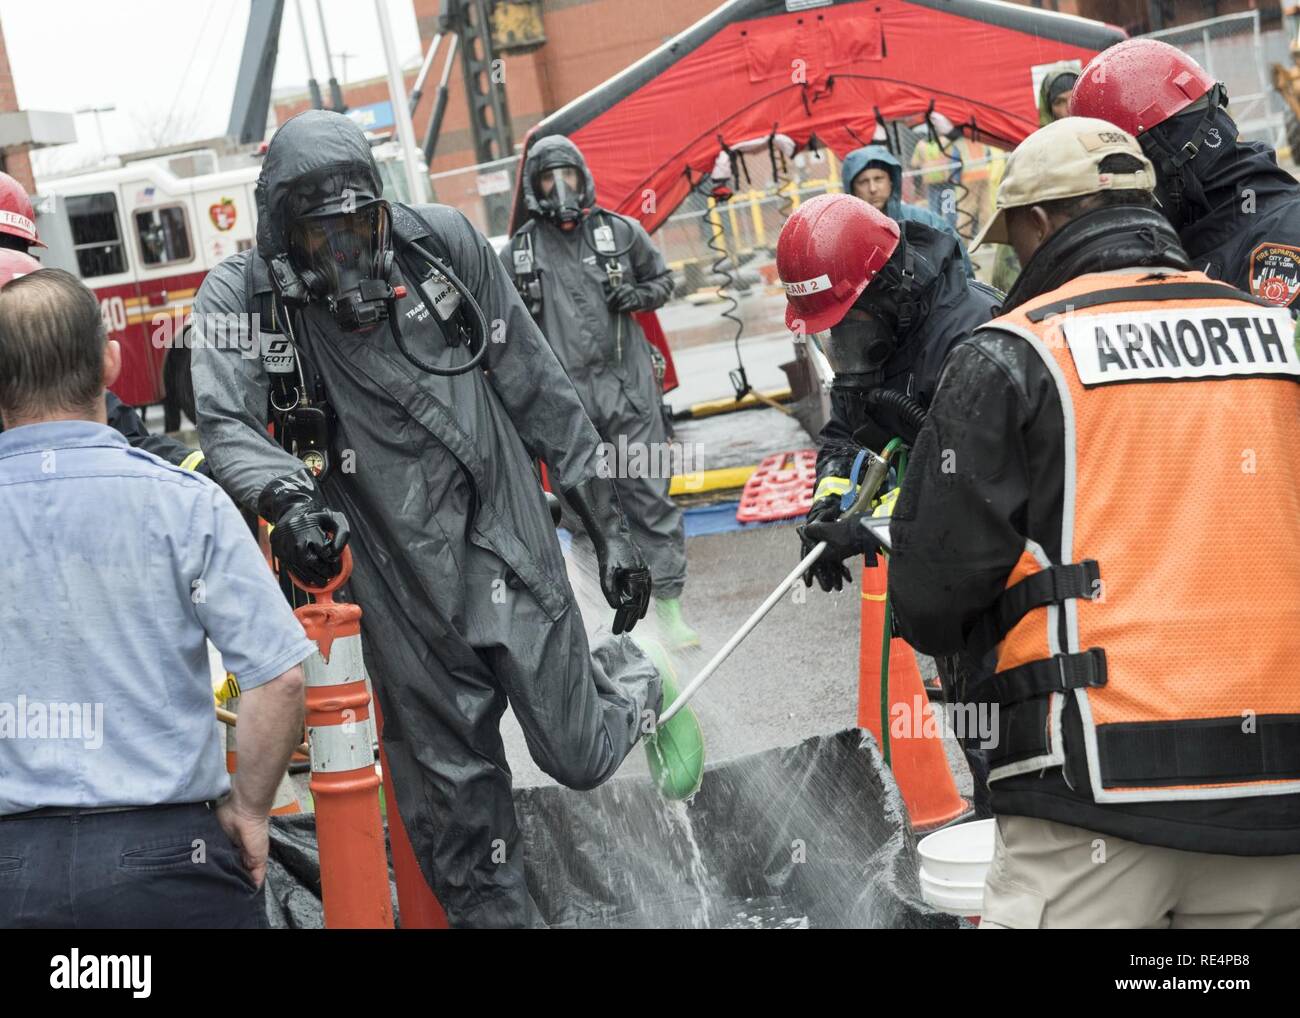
(1045, 115)
(957, 534)
(1240, 221)
(605, 353)
(456, 561)
(949, 307)
(895, 208)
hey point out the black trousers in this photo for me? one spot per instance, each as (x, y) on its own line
(164, 867)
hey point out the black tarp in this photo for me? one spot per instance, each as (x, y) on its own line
(811, 835)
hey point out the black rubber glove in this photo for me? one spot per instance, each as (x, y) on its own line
(624, 575)
(844, 538)
(829, 570)
(624, 298)
(308, 538)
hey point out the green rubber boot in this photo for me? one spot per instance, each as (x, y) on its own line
(675, 631)
(675, 752)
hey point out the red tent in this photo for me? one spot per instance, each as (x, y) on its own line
(809, 70)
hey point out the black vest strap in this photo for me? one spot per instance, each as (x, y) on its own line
(1052, 585)
(1050, 675)
(1149, 294)
(1201, 751)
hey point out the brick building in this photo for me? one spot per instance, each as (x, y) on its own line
(17, 163)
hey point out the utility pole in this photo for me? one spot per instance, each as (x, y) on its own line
(343, 59)
(415, 177)
(313, 87)
(99, 128)
(336, 93)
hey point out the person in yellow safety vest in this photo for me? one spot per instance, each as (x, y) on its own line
(979, 160)
(1063, 508)
(939, 166)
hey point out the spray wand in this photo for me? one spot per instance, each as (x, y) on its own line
(877, 470)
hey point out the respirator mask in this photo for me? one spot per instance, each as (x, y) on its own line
(859, 347)
(345, 258)
(563, 205)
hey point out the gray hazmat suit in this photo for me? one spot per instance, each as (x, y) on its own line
(457, 566)
(607, 356)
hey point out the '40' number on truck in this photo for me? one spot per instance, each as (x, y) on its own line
(112, 311)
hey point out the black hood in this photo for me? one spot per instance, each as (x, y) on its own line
(316, 157)
(938, 275)
(1215, 179)
(546, 154)
(1111, 237)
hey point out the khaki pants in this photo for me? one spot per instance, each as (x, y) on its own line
(1046, 875)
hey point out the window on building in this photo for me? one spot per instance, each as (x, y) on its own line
(164, 235)
(96, 236)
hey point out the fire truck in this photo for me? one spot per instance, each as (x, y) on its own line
(143, 236)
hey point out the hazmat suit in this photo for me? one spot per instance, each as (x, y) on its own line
(456, 562)
(583, 270)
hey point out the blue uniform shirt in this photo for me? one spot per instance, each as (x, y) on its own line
(116, 568)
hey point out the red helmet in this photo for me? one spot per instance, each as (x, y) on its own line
(14, 264)
(1137, 84)
(17, 217)
(830, 248)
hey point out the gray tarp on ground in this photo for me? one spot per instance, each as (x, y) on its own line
(619, 857)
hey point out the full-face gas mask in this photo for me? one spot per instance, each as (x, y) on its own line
(344, 256)
(559, 194)
(860, 345)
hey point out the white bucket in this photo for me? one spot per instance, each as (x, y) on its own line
(954, 862)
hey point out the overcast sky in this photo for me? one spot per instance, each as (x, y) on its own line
(169, 66)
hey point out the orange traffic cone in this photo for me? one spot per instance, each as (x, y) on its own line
(419, 908)
(917, 755)
(344, 782)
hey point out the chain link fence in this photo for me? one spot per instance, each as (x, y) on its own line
(1235, 50)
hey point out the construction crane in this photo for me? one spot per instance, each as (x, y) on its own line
(480, 31)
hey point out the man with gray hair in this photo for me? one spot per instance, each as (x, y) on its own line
(122, 568)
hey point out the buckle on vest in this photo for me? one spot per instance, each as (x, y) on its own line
(1056, 674)
(1053, 585)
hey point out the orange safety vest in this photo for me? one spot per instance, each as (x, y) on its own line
(1173, 617)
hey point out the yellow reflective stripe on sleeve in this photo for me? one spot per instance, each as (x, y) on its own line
(192, 461)
(830, 486)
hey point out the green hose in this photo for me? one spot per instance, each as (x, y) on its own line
(895, 445)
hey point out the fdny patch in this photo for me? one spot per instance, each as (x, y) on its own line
(1137, 346)
(1275, 273)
